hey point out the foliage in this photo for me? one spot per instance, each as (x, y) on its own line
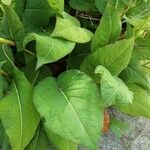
(63, 63)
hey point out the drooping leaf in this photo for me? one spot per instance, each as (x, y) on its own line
(49, 49)
(109, 28)
(57, 5)
(83, 5)
(113, 90)
(59, 143)
(118, 127)
(114, 57)
(20, 123)
(69, 28)
(11, 27)
(140, 105)
(71, 107)
(39, 142)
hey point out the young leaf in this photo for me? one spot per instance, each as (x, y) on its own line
(109, 28)
(11, 28)
(112, 89)
(57, 5)
(118, 127)
(59, 143)
(140, 105)
(18, 114)
(71, 107)
(69, 28)
(114, 57)
(49, 49)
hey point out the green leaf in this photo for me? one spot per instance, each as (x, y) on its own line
(59, 143)
(70, 106)
(142, 47)
(134, 73)
(83, 5)
(118, 127)
(6, 55)
(69, 28)
(113, 90)
(122, 5)
(140, 105)
(109, 28)
(57, 5)
(34, 14)
(114, 57)
(49, 49)
(11, 28)
(39, 142)
(20, 123)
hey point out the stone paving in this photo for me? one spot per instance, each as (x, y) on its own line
(136, 138)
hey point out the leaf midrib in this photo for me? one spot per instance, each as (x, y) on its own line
(21, 118)
(66, 98)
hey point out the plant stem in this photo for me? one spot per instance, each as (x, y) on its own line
(12, 43)
(29, 52)
(8, 42)
(2, 72)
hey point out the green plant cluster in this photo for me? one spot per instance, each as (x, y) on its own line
(63, 63)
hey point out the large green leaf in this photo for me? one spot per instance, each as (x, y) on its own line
(109, 28)
(69, 28)
(140, 105)
(39, 142)
(11, 28)
(134, 73)
(49, 49)
(114, 57)
(57, 5)
(83, 5)
(113, 90)
(20, 123)
(59, 143)
(71, 107)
